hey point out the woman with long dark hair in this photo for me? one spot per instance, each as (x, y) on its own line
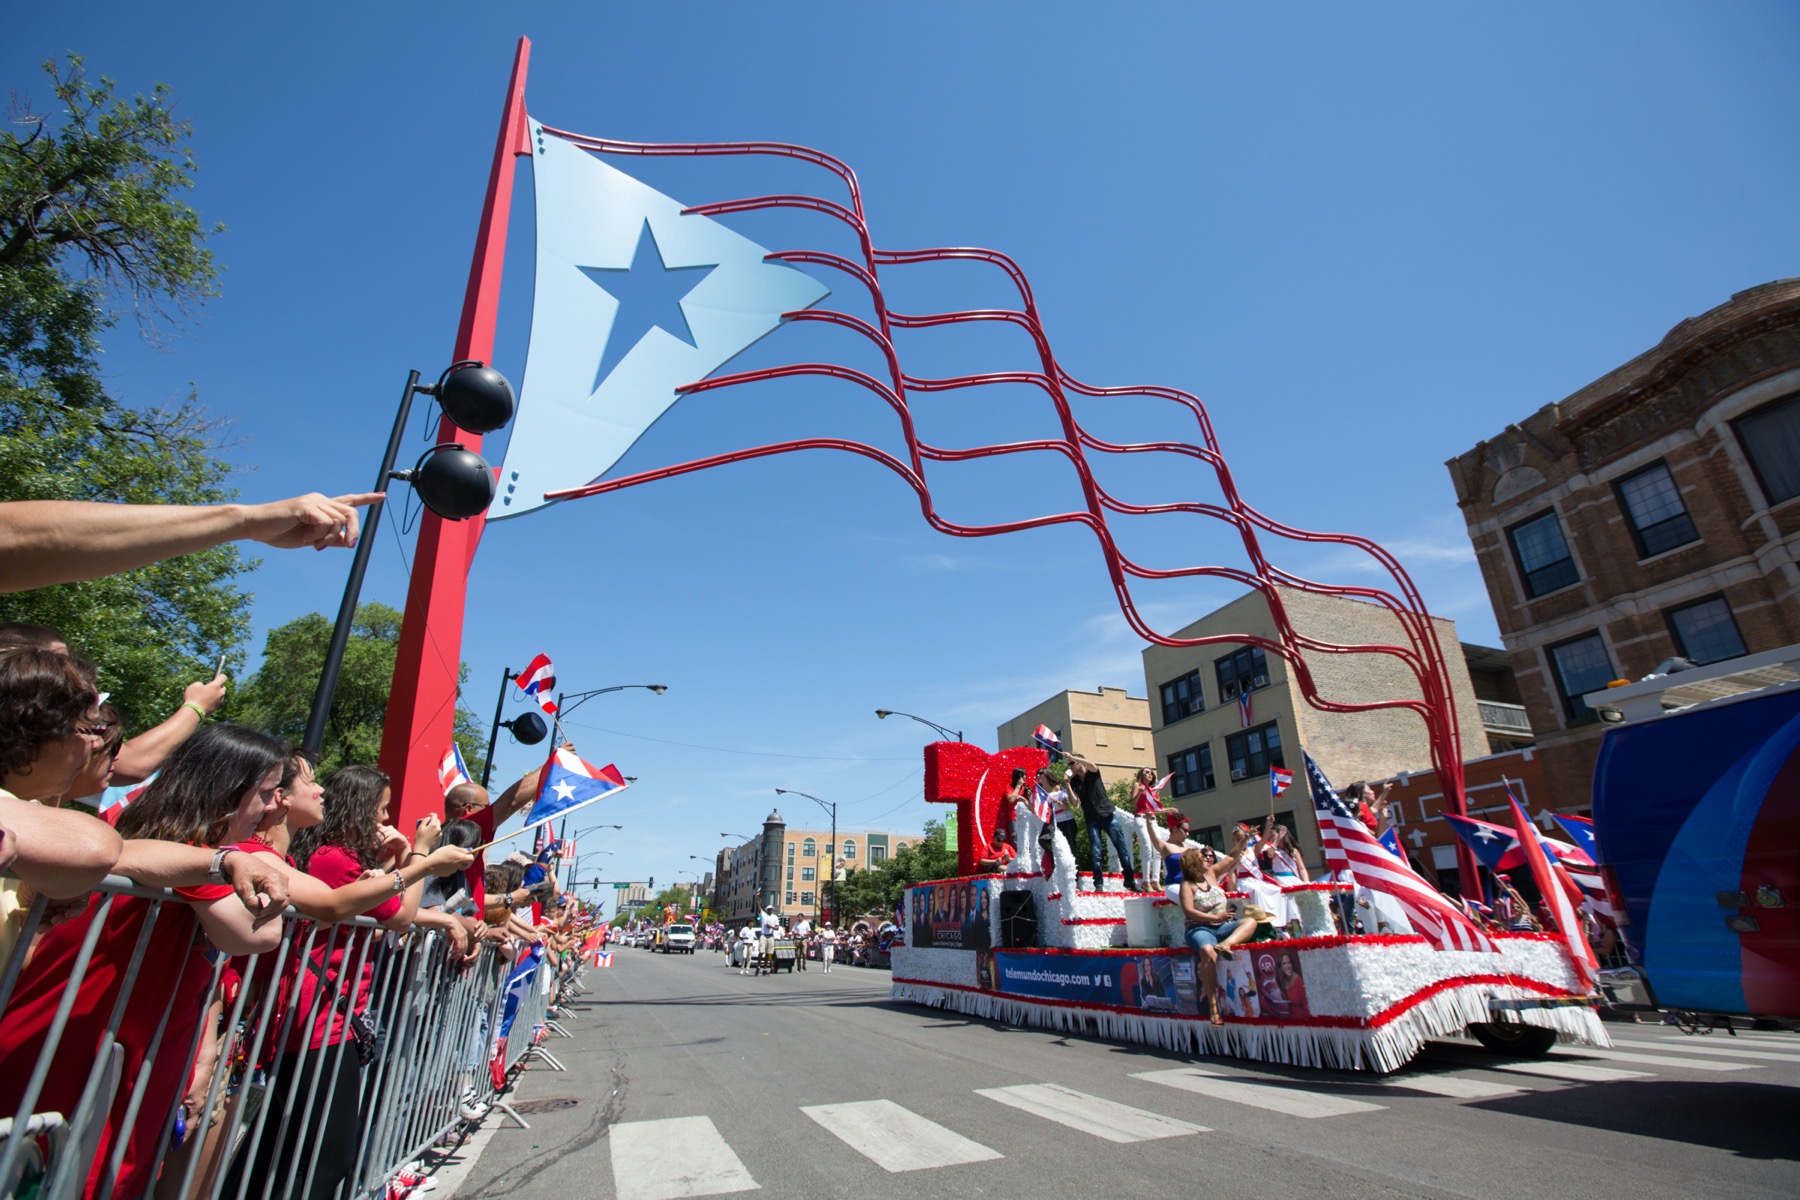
(212, 792)
(349, 849)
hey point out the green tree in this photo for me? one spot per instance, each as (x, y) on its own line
(278, 698)
(94, 223)
(879, 889)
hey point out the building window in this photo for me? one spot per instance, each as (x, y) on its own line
(807, 898)
(899, 846)
(1770, 437)
(1652, 502)
(1542, 554)
(809, 849)
(1705, 631)
(1182, 698)
(1244, 671)
(808, 874)
(792, 898)
(849, 848)
(877, 854)
(1254, 751)
(1581, 666)
(1192, 770)
(790, 874)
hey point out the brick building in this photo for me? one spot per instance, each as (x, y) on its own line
(1105, 726)
(801, 872)
(1220, 763)
(1654, 513)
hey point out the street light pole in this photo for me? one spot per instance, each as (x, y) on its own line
(831, 808)
(953, 735)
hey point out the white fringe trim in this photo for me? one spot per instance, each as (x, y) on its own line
(1382, 1050)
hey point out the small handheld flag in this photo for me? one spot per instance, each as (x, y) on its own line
(538, 680)
(453, 771)
(569, 783)
(1046, 737)
(1279, 778)
(1040, 803)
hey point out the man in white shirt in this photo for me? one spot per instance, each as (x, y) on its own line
(827, 946)
(802, 928)
(747, 944)
(765, 942)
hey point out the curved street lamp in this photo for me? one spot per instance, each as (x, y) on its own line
(567, 704)
(952, 735)
(831, 808)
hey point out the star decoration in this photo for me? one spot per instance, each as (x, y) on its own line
(564, 790)
(649, 293)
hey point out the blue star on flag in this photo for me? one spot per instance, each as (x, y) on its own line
(649, 293)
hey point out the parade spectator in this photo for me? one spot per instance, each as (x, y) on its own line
(1170, 851)
(1102, 822)
(212, 793)
(1210, 929)
(469, 802)
(46, 542)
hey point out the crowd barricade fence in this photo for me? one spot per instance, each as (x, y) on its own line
(272, 1124)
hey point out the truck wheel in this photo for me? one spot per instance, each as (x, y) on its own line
(1513, 1040)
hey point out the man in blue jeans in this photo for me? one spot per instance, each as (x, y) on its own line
(1102, 818)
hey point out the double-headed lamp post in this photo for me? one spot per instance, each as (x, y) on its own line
(953, 735)
(832, 858)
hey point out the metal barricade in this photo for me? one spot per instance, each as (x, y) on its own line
(92, 1102)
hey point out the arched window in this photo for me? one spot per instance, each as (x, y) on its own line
(809, 849)
(899, 846)
(849, 848)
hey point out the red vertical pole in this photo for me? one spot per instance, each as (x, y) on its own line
(422, 704)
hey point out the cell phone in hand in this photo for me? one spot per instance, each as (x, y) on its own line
(220, 669)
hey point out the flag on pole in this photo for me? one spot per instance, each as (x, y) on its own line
(1556, 899)
(1151, 801)
(114, 799)
(453, 771)
(1046, 737)
(1244, 717)
(569, 782)
(1581, 829)
(1577, 865)
(1040, 803)
(603, 958)
(1496, 846)
(1349, 845)
(1279, 778)
(538, 680)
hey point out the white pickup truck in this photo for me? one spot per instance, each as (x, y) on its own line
(676, 939)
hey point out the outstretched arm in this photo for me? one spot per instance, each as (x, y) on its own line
(45, 542)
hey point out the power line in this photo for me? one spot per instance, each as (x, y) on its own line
(730, 749)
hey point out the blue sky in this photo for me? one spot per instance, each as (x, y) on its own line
(1366, 236)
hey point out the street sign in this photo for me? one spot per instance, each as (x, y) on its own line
(619, 887)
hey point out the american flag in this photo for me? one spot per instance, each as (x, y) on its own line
(538, 680)
(1575, 863)
(1349, 846)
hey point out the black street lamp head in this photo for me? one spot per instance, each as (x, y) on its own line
(528, 729)
(452, 482)
(475, 397)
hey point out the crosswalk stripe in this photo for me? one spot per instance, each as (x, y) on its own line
(1451, 1085)
(896, 1138)
(1294, 1102)
(1090, 1114)
(1660, 1060)
(1711, 1050)
(1572, 1071)
(673, 1158)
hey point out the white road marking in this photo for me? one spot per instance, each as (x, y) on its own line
(1452, 1085)
(1295, 1102)
(896, 1138)
(681, 1156)
(1710, 1050)
(1572, 1071)
(1658, 1060)
(1090, 1114)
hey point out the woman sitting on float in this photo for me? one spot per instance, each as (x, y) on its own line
(1211, 929)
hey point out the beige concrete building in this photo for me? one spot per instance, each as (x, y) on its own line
(804, 873)
(1653, 513)
(1107, 727)
(1220, 762)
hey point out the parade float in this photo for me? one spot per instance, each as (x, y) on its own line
(1024, 945)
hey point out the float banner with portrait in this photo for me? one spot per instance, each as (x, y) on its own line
(1150, 983)
(1280, 990)
(952, 915)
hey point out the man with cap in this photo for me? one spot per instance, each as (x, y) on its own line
(770, 924)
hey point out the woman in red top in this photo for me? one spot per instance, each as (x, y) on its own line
(212, 791)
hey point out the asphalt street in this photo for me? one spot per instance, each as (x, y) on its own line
(688, 1079)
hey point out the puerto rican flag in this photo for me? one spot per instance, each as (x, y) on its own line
(1581, 830)
(538, 680)
(1040, 804)
(1495, 845)
(1244, 717)
(603, 958)
(1349, 845)
(1279, 778)
(453, 771)
(1577, 864)
(1151, 801)
(568, 783)
(1046, 737)
(1556, 898)
(114, 799)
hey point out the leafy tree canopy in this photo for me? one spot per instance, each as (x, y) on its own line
(95, 223)
(278, 698)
